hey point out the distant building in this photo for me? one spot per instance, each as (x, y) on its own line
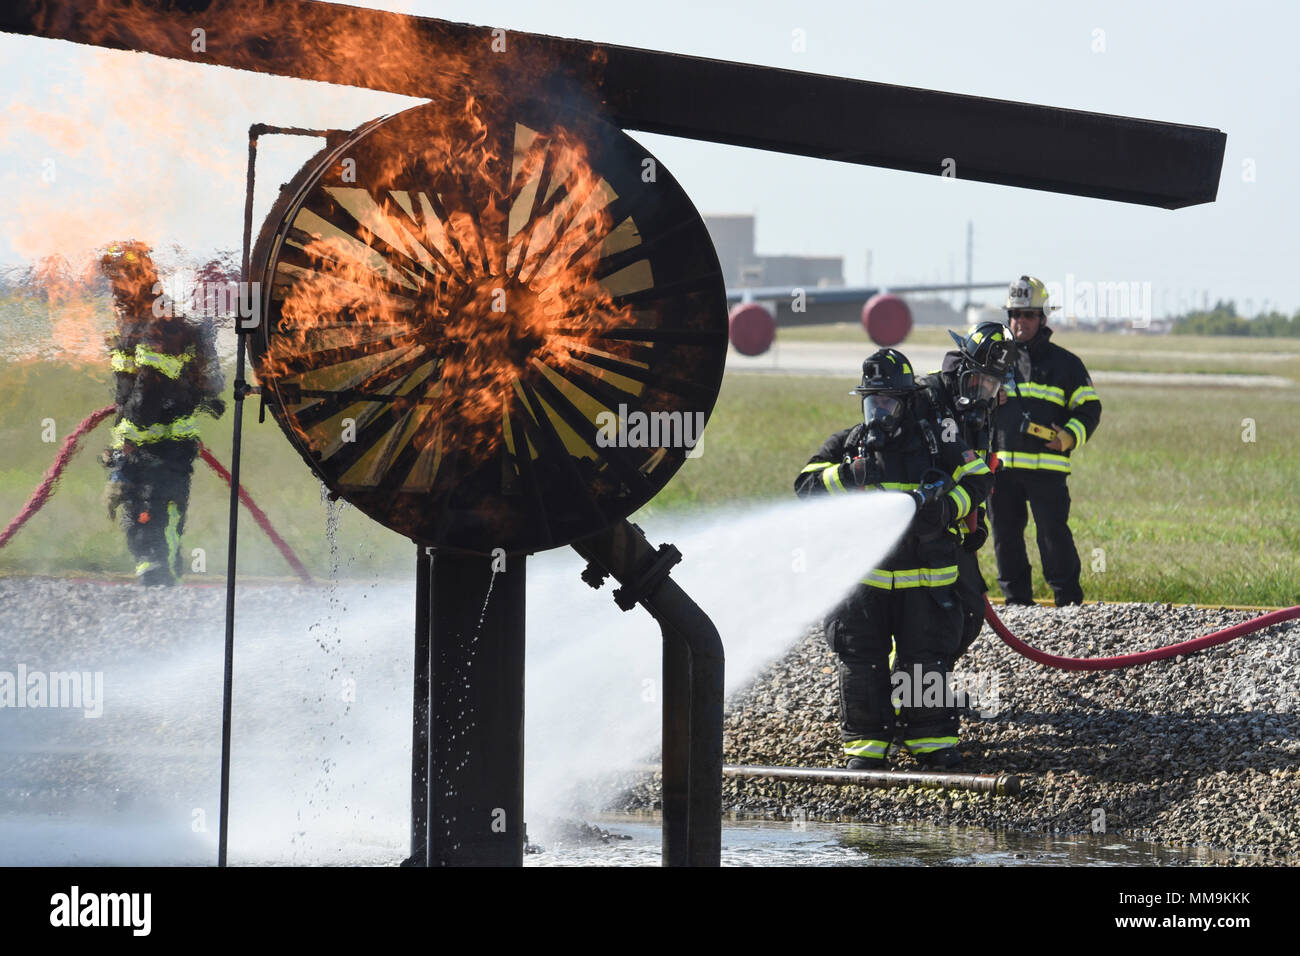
(733, 238)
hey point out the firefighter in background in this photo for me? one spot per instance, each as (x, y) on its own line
(907, 601)
(1051, 411)
(965, 392)
(165, 369)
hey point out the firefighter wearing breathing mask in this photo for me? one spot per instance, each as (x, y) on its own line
(1051, 411)
(908, 601)
(965, 392)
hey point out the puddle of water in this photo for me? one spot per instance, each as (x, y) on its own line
(815, 843)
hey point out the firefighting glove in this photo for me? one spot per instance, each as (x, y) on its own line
(113, 493)
(854, 474)
(933, 515)
(977, 535)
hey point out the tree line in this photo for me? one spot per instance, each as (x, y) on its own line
(1224, 320)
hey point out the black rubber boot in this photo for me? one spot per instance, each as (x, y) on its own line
(945, 759)
(868, 763)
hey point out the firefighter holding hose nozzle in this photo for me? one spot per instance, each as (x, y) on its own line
(166, 371)
(965, 392)
(909, 599)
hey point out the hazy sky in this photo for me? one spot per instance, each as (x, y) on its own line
(90, 151)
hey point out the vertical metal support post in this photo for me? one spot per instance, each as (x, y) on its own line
(476, 701)
(420, 712)
(232, 532)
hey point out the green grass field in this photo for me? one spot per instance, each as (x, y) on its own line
(1113, 351)
(1178, 506)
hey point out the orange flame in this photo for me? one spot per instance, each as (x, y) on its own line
(492, 277)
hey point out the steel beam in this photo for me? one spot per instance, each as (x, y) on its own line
(827, 117)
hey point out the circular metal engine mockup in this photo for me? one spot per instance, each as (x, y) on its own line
(489, 324)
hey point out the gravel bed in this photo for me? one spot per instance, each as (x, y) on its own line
(1202, 750)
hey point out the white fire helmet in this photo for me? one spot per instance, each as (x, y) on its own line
(1029, 293)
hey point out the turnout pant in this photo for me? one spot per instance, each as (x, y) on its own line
(1046, 493)
(155, 498)
(970, 591)
(925, 624)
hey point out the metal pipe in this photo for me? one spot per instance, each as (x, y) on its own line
(1002, 784)
(676, 722)
(681, 620)
(692, 758)
(897, 127)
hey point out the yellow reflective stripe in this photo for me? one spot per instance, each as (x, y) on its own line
(831, 479)
(169, 365)
(818, 466)
(1075, 428)
(1046, 461)
(1084, 393)
(925, 745)
(187, 426)
(866, 748)
(173, 535)
(142, 567)
(911, 578)
(1048, 393)
(123, 361)
(897, 485)
(929, 578)
(961, 499)
(974, 467)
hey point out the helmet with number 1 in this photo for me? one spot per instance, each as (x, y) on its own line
(887, 384)
(987, 354)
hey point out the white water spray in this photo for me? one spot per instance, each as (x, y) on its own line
(762, 574)
(323, 776)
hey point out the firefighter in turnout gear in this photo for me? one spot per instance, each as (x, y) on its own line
(1051, 411)
(964, 394)
(165, 369)
(909, 599)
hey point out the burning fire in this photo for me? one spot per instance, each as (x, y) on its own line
(476, 285)
(468, 265)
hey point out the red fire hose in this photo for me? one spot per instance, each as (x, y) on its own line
(1141, 657)
(69, 448)
(44, 489)
(258, 514)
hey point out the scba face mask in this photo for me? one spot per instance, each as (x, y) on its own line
(883, 416)
(978, 388)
